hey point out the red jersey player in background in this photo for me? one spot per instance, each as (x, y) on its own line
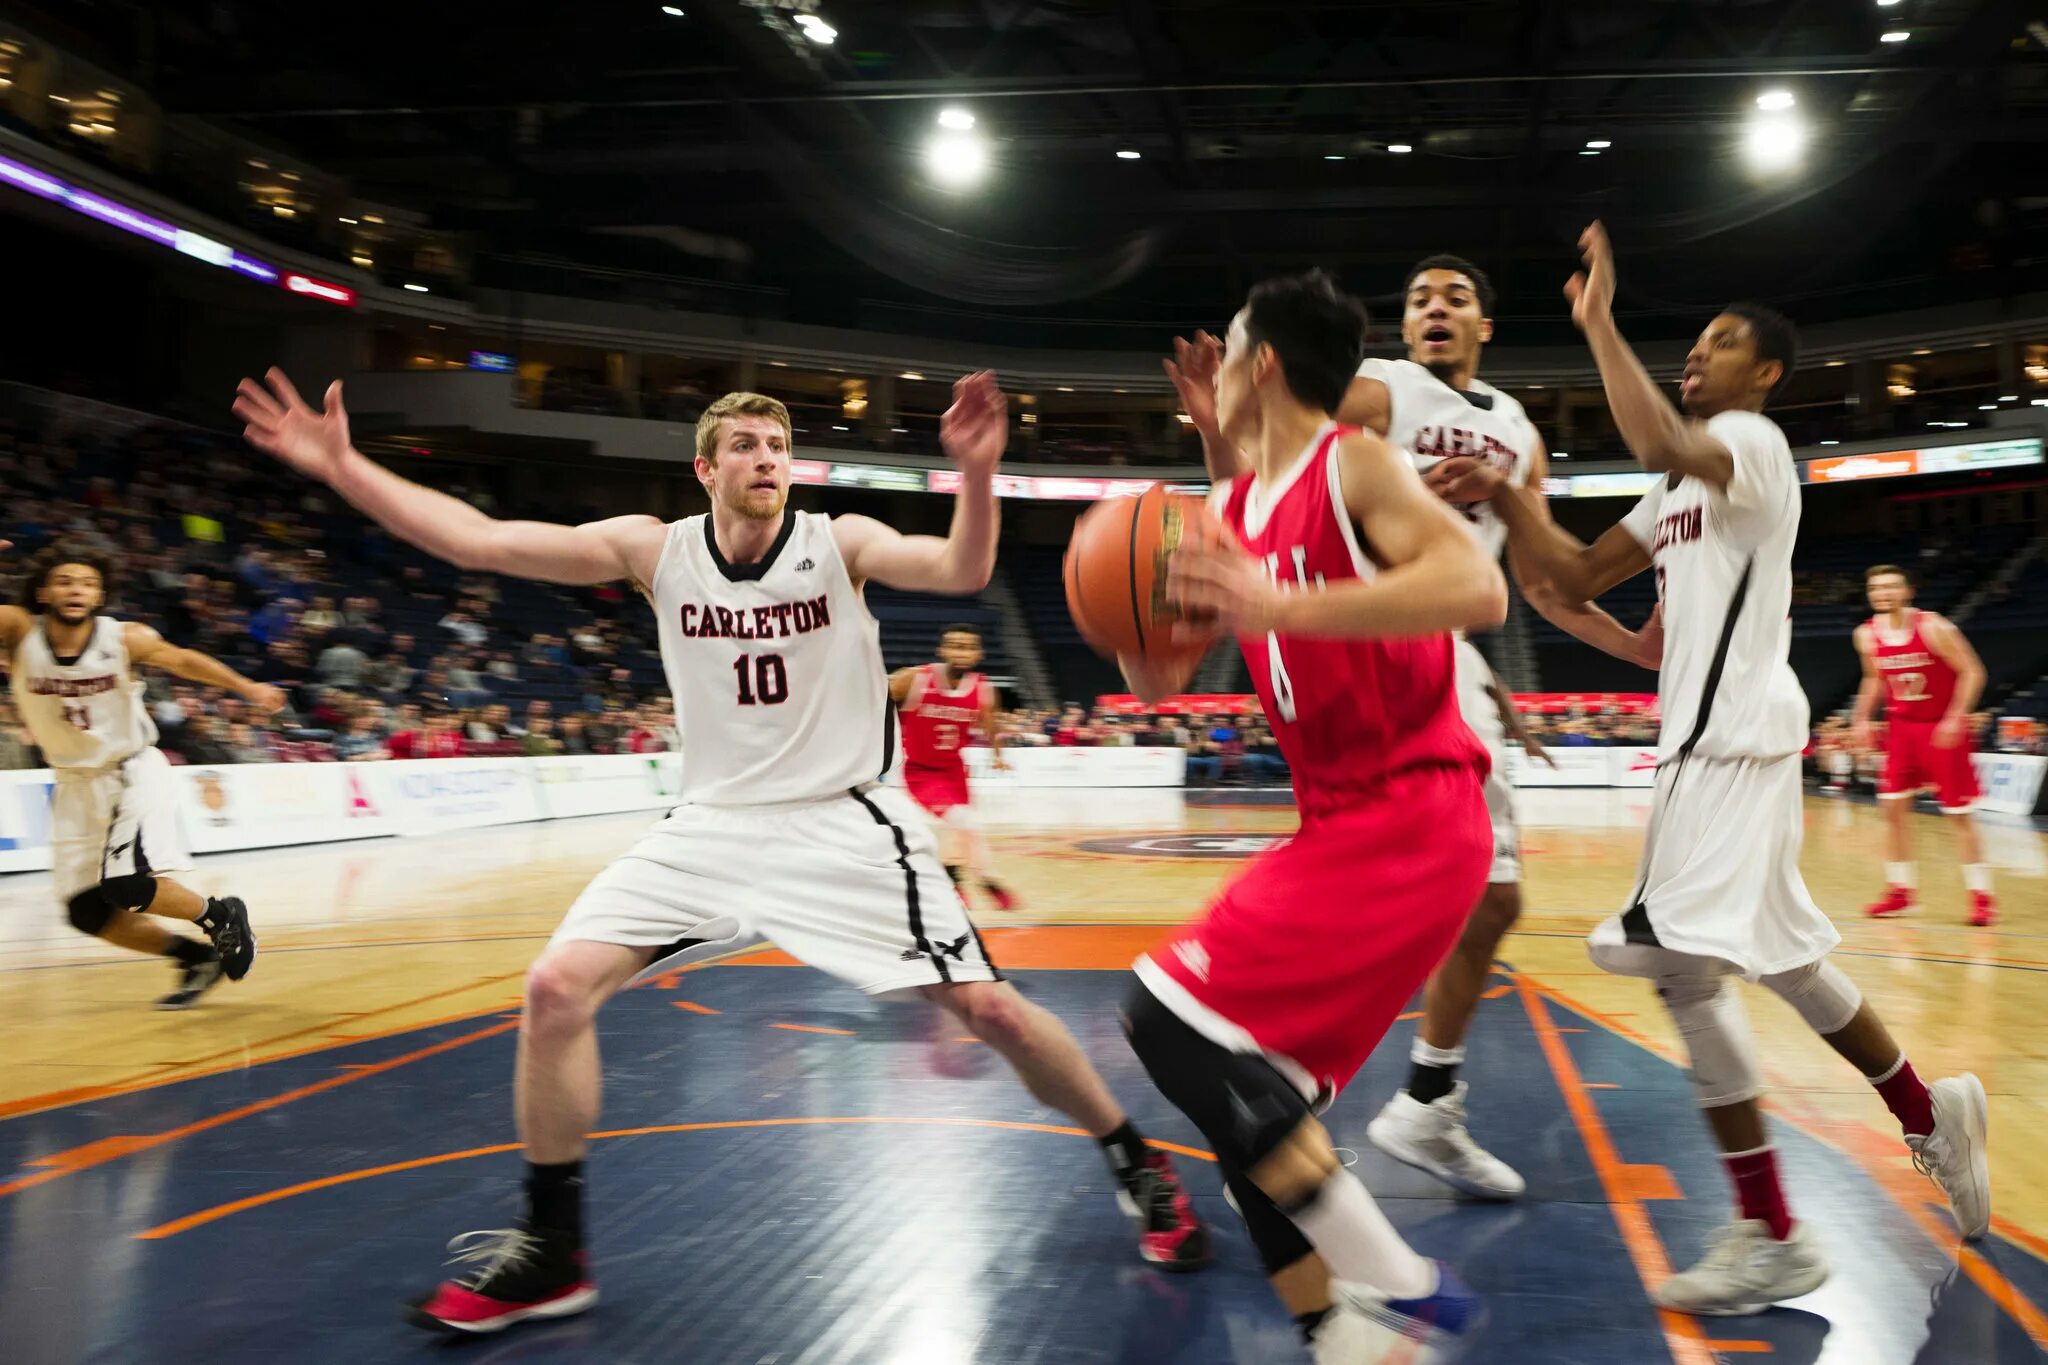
(1341, 580)
(940, 704)
(1929, 678)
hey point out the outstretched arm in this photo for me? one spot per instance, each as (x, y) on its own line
(1577, 571)
(1660, 437)
(145, 646)
(279, 423)
(974, 432)
(1581, 620)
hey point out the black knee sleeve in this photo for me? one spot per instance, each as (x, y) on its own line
(132, 892)
(1244, 1107)
(90, 910)
(1279, 1243)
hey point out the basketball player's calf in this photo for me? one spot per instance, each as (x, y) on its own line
(1320, 1236)
(1050, 1063)
(121, 910)
(1766, 1256)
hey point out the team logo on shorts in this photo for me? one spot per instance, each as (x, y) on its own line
(1215, 844)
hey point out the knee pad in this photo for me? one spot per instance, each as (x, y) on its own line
(1711, 1019)
(132, 892)
(89, 911)
(1278, 1242)
(1822, 993)
(1240, 1101)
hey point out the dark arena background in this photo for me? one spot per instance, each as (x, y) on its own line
(534, 243)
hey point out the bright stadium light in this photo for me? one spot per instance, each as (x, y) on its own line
(1774, 142)
(1775, 100)
(1897, 35)
(1400, 148)
(816, 29)
(956, 160)
(959, 120)
(1128, 154)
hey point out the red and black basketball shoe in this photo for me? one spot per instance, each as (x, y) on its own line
(1170, 1236)
(520, 1274)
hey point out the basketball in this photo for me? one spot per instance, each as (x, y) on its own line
(1116, 565)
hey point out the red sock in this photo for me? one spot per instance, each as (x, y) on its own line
(1757, 1191)
(1905, 1094)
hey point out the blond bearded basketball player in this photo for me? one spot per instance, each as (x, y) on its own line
(788, 828)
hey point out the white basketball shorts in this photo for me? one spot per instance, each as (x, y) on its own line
(1720, 874)
(849, 885)
(114, 822)
(1480, 713)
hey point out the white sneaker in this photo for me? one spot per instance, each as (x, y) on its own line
(1953, 1154)
(1746, 1270)
(1432, 1137)
(1365, 1327)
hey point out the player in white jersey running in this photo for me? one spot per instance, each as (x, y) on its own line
(787, 829)
(1719, 892)
(1434, 405)
(114, 836)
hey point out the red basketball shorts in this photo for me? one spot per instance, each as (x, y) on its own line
(1912, 762)
(1314, 949)
(938, 790)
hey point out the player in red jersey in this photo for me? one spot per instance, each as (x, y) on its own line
(939, 705)
(1929, 678)
(1343, 577)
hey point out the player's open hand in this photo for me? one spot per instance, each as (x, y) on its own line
(1463, 479)
(976, 429)
(1948, 732)
(278, 423)
(1192, 368)
(1219, 588)
(1591, 290)
(1533, 747)
(265, 698)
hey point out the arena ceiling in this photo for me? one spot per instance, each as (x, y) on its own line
(647, 152)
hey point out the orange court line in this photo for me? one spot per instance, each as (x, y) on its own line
(1908, 1193)
(1601, 1085)
(1740, 1348)
(1042, 947)
(806, 1028)
(1684, 1336)
(219, 1211)
(693, 1007)
(113, 1148)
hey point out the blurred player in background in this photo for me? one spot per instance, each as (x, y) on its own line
(1930, 679)
(940, 705)
(114, 831)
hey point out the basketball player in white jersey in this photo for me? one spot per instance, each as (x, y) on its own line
(786, 830)
(114, 835)
(1719, 892)
(1435, 406)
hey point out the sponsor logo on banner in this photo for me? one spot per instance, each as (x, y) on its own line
(2011, 782)
(1891, 464)
(1215, 844)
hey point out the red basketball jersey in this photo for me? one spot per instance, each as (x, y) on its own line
(1348, 713)
(1918, 683)
(937, 720)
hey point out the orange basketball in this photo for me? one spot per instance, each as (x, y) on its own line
(1116, 570)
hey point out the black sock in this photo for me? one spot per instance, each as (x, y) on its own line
(1428, 1083)
(1126, 1151)
(554, 1199)
(1308, 1322)
(189, 952)
(211, 919)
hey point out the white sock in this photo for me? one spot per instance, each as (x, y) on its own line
(1436, 1056)
(1359, 1244)
(1902, 874)
(1977, 877)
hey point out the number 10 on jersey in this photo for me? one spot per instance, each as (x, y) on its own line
(763, 679)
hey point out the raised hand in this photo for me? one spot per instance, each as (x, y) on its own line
(278, 423)
(1591, 291)
(1192, 368)
(976, 429)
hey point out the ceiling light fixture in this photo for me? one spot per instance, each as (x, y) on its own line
(959, 120)
(1775, 100)
(1400, 148)
(1128, 154)
(1897, 35)
(416, 288)
(1599, 144)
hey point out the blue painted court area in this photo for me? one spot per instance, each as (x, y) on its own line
(820, 1181)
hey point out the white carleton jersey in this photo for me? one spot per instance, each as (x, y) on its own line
(776, 668)
(84, 712)
(1724, 575)
(1433, 422)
